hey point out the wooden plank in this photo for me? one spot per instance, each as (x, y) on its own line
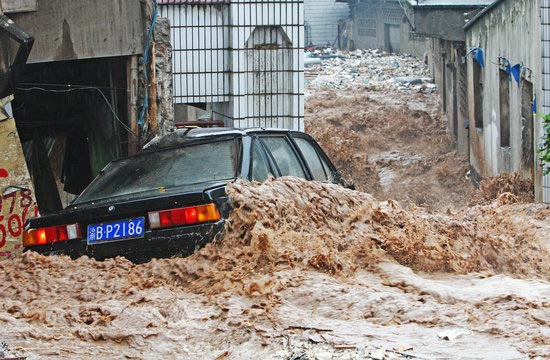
(16, 6)
(133, 114)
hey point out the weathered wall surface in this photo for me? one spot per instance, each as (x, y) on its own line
(510, 30)
(441, 23)
(17, 201)
(372, 20)
(322, 18)
(13, 6)
(80, 29)
(449, 73)
(163, 70)
(382, 25)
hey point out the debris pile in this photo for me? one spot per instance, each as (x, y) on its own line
(370, 69)
(291, 248)
(510, 188)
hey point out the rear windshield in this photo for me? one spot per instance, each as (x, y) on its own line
(165, 169)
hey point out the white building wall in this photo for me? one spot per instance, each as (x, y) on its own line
(267, 51)
(201, 62)
(245, 59)
(322, 18)
(507, 31)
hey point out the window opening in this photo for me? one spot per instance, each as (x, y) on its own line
(478, 95)
(504, 99)
(527, 123)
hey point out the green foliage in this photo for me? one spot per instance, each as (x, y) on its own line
(544, 150)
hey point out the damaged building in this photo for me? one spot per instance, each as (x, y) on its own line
(79, 101)
(238, 62)
(383, 25)
(326, 23)
(98, 83)
(441, 23)
(488, 59)
(508, 74)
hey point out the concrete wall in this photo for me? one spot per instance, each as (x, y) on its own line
(510, 30)
(370, 21)
(322, 18)
(15, 6)
(83, 29)
(441, 23)
(382, 25)
(450, 75)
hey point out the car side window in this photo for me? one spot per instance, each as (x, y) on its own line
(260, 170)
(318, 167)
(285, 158)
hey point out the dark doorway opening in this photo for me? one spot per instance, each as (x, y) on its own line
(72, 120)
(527, 132)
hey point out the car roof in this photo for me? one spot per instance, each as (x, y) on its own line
(184, 135)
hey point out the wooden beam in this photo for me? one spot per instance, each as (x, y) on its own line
(132, 99)
(153, 107)
(15, 6)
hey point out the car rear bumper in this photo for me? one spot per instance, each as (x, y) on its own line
(175, 242)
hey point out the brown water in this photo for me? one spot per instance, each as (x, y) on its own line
(305, 268)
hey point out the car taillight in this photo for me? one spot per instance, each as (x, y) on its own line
(183, 216)
(52, 234)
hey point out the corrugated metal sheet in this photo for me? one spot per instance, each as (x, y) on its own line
(200, 40)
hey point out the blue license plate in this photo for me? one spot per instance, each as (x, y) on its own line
(116, 230)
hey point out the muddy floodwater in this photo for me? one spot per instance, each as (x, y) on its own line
(305, 269)
(415, 264)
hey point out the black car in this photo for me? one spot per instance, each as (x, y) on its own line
(170, 199)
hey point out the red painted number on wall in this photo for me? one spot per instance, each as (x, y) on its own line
(12, 223)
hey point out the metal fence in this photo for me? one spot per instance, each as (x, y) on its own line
(244, 59)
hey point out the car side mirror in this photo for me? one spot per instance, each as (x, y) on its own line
(339, 179)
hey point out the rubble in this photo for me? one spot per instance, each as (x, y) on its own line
(371, 69)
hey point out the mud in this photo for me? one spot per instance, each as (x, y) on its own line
(305, 268)
(511, 187)
(400, 269)
(392, 145)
